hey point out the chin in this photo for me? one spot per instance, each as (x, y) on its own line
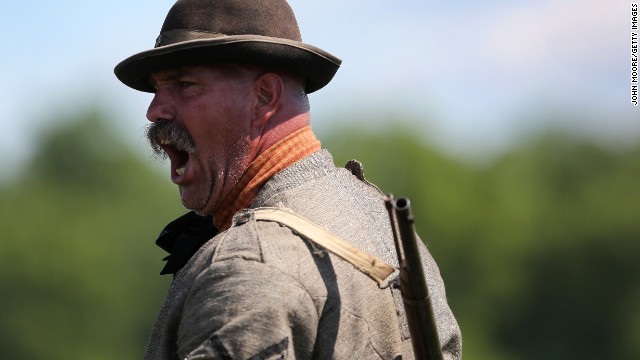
(197, 201)
(199, 209)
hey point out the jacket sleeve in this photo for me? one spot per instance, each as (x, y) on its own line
(244, 309)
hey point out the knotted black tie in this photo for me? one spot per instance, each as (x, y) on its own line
(182, 237)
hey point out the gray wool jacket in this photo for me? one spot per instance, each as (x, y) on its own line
(259, 291)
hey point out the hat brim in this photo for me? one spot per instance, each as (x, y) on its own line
(318, 66)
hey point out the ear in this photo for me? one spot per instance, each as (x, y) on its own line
(268, 89)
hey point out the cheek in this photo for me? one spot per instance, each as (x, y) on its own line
(223, 131)
(222, 144)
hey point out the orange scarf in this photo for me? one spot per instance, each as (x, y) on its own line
(281, 155)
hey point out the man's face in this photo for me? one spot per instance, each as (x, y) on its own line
(212, 104)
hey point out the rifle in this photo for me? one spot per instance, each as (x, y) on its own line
(413, 285)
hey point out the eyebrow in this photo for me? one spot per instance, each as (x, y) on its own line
(170, 75)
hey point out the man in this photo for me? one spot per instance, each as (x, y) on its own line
(230, 111)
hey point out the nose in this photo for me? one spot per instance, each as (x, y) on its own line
(160, 107)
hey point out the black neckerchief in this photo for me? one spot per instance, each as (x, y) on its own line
(182, 237)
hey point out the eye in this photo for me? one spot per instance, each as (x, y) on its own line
(184, 84)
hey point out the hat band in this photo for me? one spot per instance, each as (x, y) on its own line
(180, 35)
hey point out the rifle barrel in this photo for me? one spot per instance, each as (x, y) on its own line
(413, 286)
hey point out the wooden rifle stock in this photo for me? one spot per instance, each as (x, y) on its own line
(413, 285)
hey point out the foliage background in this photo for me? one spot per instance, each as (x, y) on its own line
(536, 231)
(538, 245)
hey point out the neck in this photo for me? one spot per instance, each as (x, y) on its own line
(289, 150)
(274, 131)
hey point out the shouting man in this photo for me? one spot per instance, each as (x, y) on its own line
(230, 80)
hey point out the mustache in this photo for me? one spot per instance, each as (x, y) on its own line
(169, 133)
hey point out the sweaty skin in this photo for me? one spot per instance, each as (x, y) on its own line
(214, 107)
(232, 113)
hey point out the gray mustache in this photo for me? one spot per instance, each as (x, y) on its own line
(172, 131)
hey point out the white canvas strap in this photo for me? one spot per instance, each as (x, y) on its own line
(368, 264)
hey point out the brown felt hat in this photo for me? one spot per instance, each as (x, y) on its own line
(259, 32)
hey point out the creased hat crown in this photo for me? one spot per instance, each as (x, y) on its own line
(261, 32)
(273, 18)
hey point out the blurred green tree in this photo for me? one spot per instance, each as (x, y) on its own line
(538, 247)
(80, 275)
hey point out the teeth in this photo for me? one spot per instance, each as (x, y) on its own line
(180, 171)
(165, 142)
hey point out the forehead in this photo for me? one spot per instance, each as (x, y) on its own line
(215, 71)
(192, 70)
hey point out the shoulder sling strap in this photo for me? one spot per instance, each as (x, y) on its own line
(368, 264)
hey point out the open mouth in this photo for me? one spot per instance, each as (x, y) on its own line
(172, 139)
(178, 157)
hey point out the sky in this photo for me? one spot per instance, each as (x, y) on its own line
(473, 77)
